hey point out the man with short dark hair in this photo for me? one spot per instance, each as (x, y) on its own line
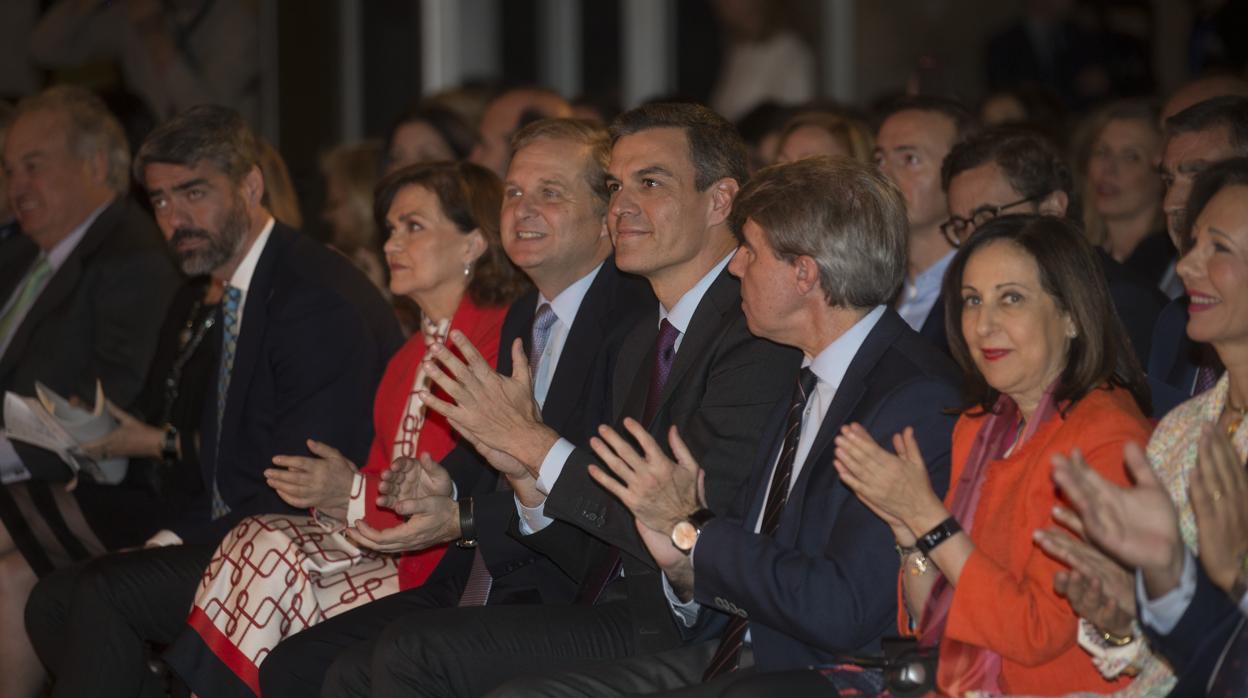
(305, 338)
(822, 255)
(1011, 170)
(914, 136)
(691, 362)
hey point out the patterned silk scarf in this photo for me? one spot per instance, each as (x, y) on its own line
(964, 667)
(408, 433)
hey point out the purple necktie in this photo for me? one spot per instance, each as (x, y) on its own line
(664, 354)
(1206, 378)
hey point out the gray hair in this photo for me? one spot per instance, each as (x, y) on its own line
(92, 129)
(843, 214)
(211, 133)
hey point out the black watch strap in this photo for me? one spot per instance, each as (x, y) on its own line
(942, 532)
(700, 518)
(467, 526)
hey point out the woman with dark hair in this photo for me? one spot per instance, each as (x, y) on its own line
(1047, 369)
(426, 133)
(274, 575)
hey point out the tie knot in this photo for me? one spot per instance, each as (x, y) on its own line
(232, 296)
(668, 333)
(544, 318)
(806, 381)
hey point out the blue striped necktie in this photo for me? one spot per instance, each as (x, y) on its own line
(230, 303)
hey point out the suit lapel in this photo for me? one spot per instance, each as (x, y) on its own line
(62, 283)
(632, 377)
(853, 386)
(518, 323)
(251, 334)
(580, 349)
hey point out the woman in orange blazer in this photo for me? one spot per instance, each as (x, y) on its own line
(277, 574)
(1048, 370)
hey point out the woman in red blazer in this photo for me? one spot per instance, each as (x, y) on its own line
(1048, 369)
(276, 574)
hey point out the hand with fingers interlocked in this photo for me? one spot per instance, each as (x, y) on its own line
(1218, 488)
(321, 481)
(494, 412)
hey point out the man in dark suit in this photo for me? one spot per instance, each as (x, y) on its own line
(1007, 170)
(822, 254)
(1197, 137)
(305, 339)
(84, 283)
(553, 227)
(675, 169)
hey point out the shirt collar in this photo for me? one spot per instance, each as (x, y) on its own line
(682, 313)
(830, 365)
(61, 251)
(930, 278)
(241, 279)
(568, 302)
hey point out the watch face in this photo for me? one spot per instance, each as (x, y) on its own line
(684, 535)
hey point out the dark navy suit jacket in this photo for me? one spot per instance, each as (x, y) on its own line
(826, 583)
(1195, 646)
(315, 339)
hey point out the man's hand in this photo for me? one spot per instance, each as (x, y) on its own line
(323, 482)
(409, 478)
(657, 491)
(431, 521)
(131, 439)
(892, 486)
(1219, 493)
(495, 411)
(1098, 589)
(1137, 525)
(676, 565)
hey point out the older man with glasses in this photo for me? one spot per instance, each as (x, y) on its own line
(1001, 171)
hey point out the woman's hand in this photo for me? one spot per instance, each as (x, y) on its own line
(895, 487)
(131, 439)
(1219, 493)
(323, 482)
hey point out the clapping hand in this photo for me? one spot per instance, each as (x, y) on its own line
(658, 491)
(890, 485)
(1219, 493)
(1137, 525)
(1097, 588)
(322, 481)
(409, 478)
(495, 412)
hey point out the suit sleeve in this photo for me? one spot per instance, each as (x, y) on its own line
(1043, 626)
(843, 599)
(745, 381)
(324, 374)
(1206, 624)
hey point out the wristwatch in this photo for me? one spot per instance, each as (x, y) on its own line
(169, 444)
(467, 526)
(942, 532)
(685, 534)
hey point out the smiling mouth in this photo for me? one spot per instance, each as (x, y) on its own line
(994, 354)
(1199, 302)
(529, 235)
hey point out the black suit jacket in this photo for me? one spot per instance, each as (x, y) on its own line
(97, 318)
(723, 383)
(933, 329)
(1196, 644)
(1174, 359)
(825, 584)
(576, 403)
(315, 339)
(1136, 302)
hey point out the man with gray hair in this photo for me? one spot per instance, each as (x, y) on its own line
(83, 289)
(822, 254)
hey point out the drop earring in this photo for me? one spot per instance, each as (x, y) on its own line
(467, 269)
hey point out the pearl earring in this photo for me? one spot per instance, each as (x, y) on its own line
(467, 269)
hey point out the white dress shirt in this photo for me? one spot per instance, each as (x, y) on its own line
(565, 306)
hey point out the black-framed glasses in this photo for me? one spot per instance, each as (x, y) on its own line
(953, 228)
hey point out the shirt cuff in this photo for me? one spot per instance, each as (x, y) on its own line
(163, 538)
(356, 506)
(552, 465)
(1164, 612)
(11, 468)
(685, 611)
(532, 519)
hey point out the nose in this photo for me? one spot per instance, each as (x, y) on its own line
(393, 243)
(622, 204)
(1191, 266)
(985, 320)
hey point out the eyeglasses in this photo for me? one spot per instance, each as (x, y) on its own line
(953, 228)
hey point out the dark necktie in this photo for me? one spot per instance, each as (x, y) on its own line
(597, 579)
(477, 588)
(728, 655)
(1206, 378)
(231, 302)
(664, 354)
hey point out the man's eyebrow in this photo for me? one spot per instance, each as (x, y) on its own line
(653, 170)
(191, 184)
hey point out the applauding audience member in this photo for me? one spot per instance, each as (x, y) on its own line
(1047, 369)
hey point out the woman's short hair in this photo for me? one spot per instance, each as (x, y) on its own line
(850, 133)
(471, 197)
(843, 214)
(458, 134)
(1100, 353)
(1228, 173)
